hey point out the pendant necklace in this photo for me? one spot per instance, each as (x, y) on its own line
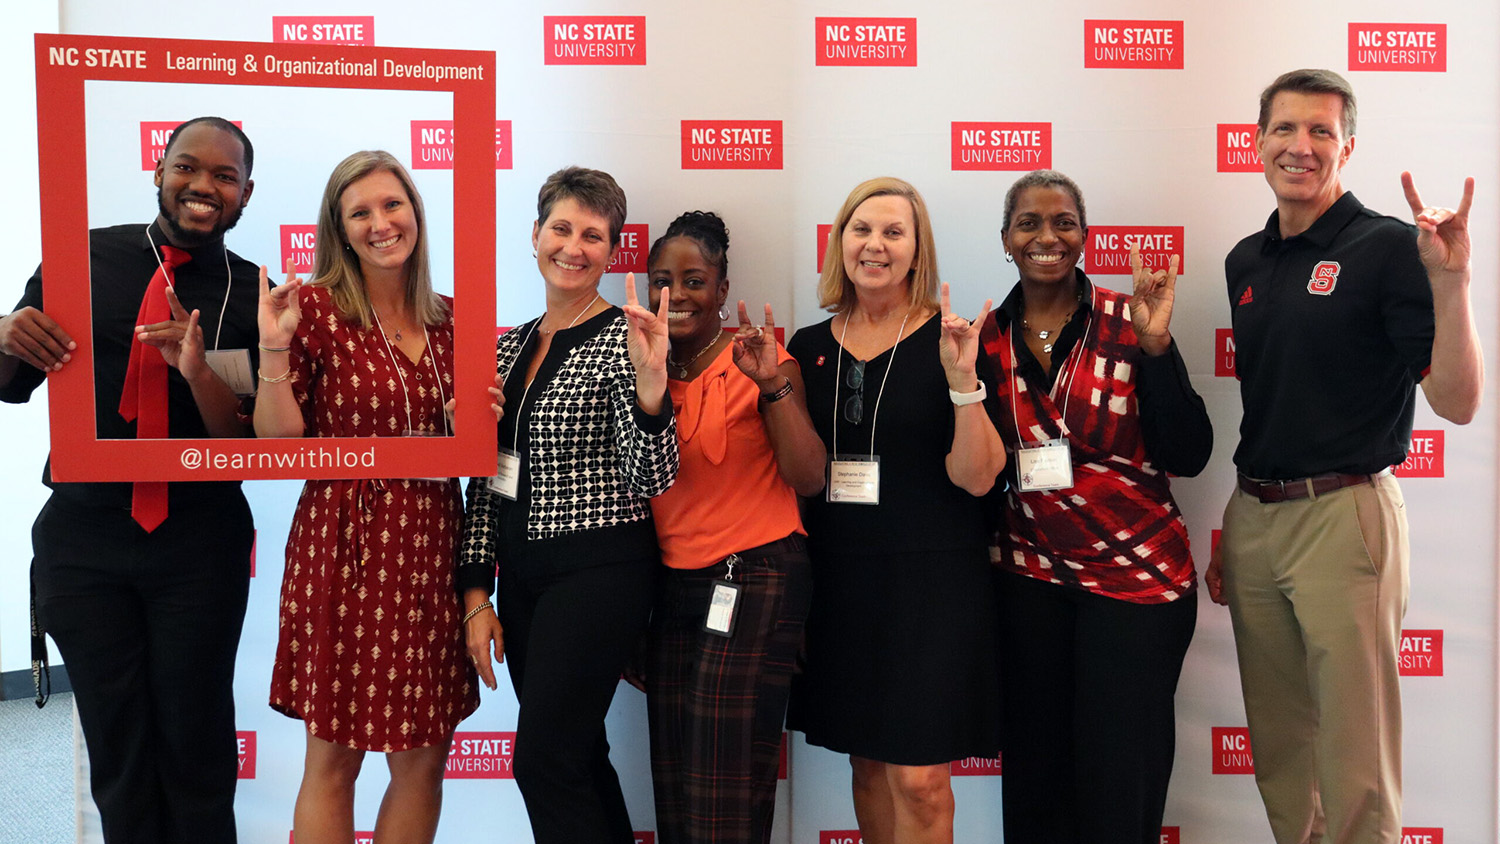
(682, 368)
(1048, 332)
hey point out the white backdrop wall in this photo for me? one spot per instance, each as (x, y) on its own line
(1141, 143)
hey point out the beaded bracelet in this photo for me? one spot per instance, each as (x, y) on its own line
(477, 610)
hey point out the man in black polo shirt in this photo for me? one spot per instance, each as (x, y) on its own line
(1338, 314)
(143, 586)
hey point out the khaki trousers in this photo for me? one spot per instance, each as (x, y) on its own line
(1317, 588)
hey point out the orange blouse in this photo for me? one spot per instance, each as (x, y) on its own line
(729, 495)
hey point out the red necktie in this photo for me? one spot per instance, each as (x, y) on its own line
(145, 392)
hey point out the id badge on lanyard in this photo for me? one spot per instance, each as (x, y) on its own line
(1045, 465)
(854, 479)
(723, 599)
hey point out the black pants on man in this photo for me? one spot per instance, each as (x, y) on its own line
(148, 626)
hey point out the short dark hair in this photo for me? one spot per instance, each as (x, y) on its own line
(1310, 80)
(223, 125)
(595, 190)
(704, 228)
(1043, 179)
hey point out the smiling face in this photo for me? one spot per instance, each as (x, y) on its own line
(694, 292)
(1303, 148)
(879, 243)
(201, 185)
(1045, 235)
(572, 247)
(379, 222)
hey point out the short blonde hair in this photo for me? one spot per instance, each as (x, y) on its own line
(335, 264)
(836, 291)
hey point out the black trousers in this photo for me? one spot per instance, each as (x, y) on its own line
(148, 626)
(1089, 720)
(568, 636)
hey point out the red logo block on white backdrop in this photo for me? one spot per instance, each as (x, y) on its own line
(1108, 251)
(866, 42)
(481, 756)
(1152, 45)
(1398, 46)
(731, 145)
(594, 39)
(1231, 748)
(645, 837)
(1421, 835)
(324, 29)
(824, 230)
(840, 836)
(988, 145)
(432, 145)
(974, 766)
(245, 742)
(635, 240)
(1424, 459)
(1421, 653)
(154, 137)
(1171, 835)
(1224, 352)
(1236, 147)
(297, 242)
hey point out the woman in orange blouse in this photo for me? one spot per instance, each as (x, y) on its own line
(729, 614)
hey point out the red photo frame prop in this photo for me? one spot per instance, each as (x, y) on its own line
(65, 62)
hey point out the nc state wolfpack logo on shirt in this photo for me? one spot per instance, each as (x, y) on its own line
(1324, 276)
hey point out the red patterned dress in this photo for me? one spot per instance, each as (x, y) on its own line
(371, 652)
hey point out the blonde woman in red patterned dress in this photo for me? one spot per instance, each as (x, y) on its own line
(371, 654)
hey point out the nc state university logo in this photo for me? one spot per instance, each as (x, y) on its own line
(1324, 276)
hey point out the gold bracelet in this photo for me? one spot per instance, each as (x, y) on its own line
(278, 379)
(477, 610)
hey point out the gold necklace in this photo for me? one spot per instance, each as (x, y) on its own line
(682, 368)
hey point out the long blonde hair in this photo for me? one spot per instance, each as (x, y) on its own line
(836, 291)
(335, 264)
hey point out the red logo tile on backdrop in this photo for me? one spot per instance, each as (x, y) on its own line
(731, 145)
(1424, 459)
(866, 42)
(1108, 250)
(986, 145)
(481, 755)
(245, 741)
(1224, 352)
(324, 29)
(1236, 148)
(154, 137)
(432, 145)
(1398, 46)
(594, 39)
(1152, 45)
(297, 246)
(635, 241)
(974, 767)
(1421, 653)
(1231, 748)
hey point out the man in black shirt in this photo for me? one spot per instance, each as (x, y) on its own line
(1338, 314)
(144, 589)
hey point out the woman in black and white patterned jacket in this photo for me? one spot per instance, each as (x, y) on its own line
(586, 438)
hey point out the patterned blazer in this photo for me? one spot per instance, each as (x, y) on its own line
(590, 462)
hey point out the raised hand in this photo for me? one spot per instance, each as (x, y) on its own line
(1442, 233)
(32, 336)
(958, 344)
(180, 339)
(755, 348)
(647, 336)
(279, 311)
(1151, 303)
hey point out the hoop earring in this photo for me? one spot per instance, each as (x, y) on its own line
(723, 314)
(1009, 258)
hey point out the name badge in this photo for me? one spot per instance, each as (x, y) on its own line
(1045, 465)
(233, 367)
(854, 479)
(720, 618)
(507, 480)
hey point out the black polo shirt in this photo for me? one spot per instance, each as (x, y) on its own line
(1332, 329)
(121, 262)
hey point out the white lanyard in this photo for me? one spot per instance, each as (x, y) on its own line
(839, 376)
(515, 438)
(171, 277)
(426, 350)
(1070, 371)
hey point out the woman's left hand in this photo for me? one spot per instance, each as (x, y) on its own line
(646, 339)
(755, 348)
(1151, 306)
(958, 344)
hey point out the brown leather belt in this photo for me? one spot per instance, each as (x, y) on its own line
(1274, 492)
